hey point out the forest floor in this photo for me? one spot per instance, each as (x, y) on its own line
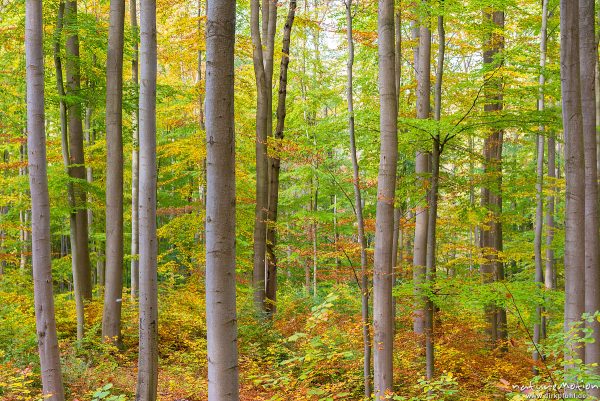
(312, 350)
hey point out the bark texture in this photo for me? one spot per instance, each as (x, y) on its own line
(221, 317)
(383, 328)
(52, 385)
(135, 167)
(491, 193)
(574, 171)
(588, 54)
(81, 255)
(113, 286)
(148, 302)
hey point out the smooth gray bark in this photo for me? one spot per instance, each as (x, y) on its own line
(588, 54)
(433, 203)
(221, 317)
(79, 301)
(262, 167)
(539, 325)
(383, 327)
(422, 168)
(574, 172)
(135, 167)
(52, 386)
(80, 249)
(148, 296)
(358, 208)
(113, 286)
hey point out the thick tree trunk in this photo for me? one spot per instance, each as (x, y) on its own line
(113, 286)
(574, 172)
(491, 193)
(148, 303)
(82, 273)
(386, 184)
(588, 54)
(275, 163)
(220, 206)
(358, 209)
(135, 167)
(52, 386)
(539, 326)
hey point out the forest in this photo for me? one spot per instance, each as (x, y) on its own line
(310, 200)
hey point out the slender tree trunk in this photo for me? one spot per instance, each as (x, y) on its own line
(433, 204)
(315, 260)
(23, 218)
(423, 66)
(386, 184)
(588, 54)
(52, 386)
(262, 196)
(79, 306)
(574, 172)
(550, 273)
(220, 206)
(491, 193)
(113, 287)
(148, 304)
(539, 326)
(358, 208)
(275, 163)
(82, 273)
(135, 167)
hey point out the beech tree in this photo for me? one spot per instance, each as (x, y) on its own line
(45, 322)
(539, 328)
(113, 292)
(574, 171)
(262, 35)
(383, 325)
(135, 168)
(148, 303)
(588, 54)
(221, 315)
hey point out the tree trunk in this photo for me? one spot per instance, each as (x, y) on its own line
(433, 204)
(82, 281)
(113, 287)
(23, 218)
(52, 386)
(358, 209)
(422, 163)
(148, 304)
(221, 317)
(491, 192)
(386, 185)
(540, 324)
(79, 299)
(275, 163)
(588, 54)
(262, 195)
(574, 172)
(135, 168)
